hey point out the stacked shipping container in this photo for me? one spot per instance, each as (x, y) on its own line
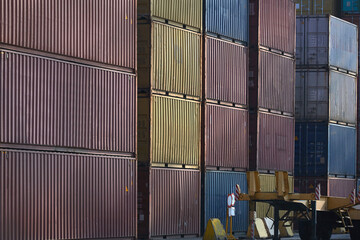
(68, 133)
(326, 96)
(318, 7)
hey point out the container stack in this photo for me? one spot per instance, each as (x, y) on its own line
(318, 7)
(271, 89)
(326, 83)
(169, 117)
(68, 110)
(225, 119)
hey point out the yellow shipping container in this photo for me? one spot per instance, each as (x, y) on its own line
(168, 131)
(184, 12)
(313, 7)
(169, 59)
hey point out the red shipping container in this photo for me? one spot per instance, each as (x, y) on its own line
(102, 31)
(271, 142)
(273, 25)
(329, 186)
(168, 202)
(226, 137)
(226, 71)
(58, 104)
(46, 195)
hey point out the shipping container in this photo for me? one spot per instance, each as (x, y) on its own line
(271, 142)
(218, 184)
(168, 202)
(272, 82)
(60, 104)
(318, 7)
(169, 131)
(47, 195)
(329, 186)
(272, 25)
(102, 31)
(226, 71)
(323, 149)
(355, 19)
(226, 137)
(169, 59)
(178, 12)
(324, 95)
(350, 6)
(227, 19)
(326, 41)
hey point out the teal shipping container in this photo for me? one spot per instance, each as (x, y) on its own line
(350, 6)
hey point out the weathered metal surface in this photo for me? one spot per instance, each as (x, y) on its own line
(355, 19)
(350, 6)
(317, 7)
(53, 103)
(46, 195)
(226, 71)
(326, 95)
(226, 137)
(101, 30)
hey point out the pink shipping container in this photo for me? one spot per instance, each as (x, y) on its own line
(272, 82)
(271, 142)
(102, 31)
(168, 202)
(273, 24)
(46, 195)
(329, 186)
(58, 104)
(226, 137)
(226, 71)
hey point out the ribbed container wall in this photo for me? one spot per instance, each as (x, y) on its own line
(60, 104)
(350, 6)
(218, 184)
(66, 196)
(318, 7)
(101, 31)
(355, 19)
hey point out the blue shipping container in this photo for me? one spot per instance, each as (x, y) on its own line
(218, 184)
(323, 149)
(350, 6)
(227, 18)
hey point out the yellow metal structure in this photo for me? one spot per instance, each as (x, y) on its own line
(214, 230)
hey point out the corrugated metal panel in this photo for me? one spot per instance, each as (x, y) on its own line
(54, 103)
(317, 7)
(187, 12)
(276, 82)
(317, 89)
(226, 137)
(350, 6)
(355, 19)
(324, 41)
(174, 202)
(218, 184)
(226, 71)
(335, 187)
(322, 149)
(100, 31)
(64, 196)
(228, 18)
(169, 130)
(170, 59)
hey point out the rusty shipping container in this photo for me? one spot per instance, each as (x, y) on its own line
(169, 59)
(168, 131)
(226, 71)
(271, 142)
(46, 195)
(168, 202)
(318, 7)
(329, 186)
(60, 104)
(273, 24)
(175, 12)
(272, 82)
(102, 31)
(226, 137)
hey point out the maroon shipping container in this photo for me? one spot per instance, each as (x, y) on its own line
(272, 82)
(226, 71)
(46, 195)
(273, 25)
(271, 142)
(168, 202)
(102, 31)
(58, 104)
(226, 137)
(329, 186)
